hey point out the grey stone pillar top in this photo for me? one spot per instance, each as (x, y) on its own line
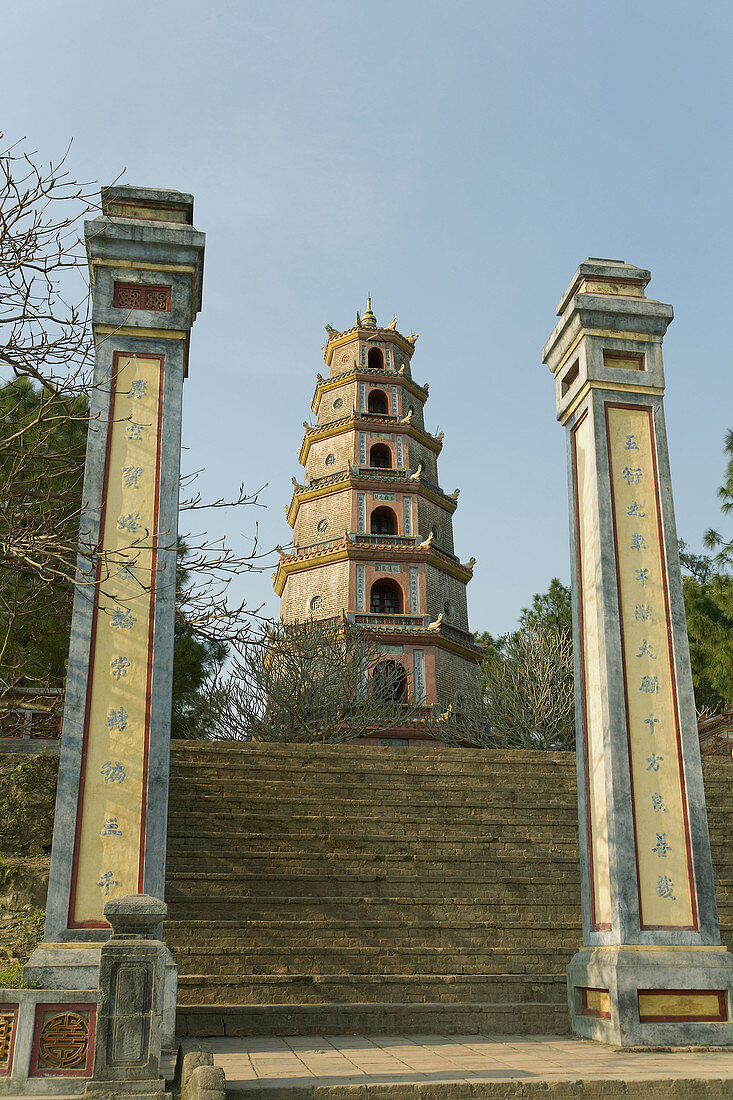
(137, 915)
(605, 296)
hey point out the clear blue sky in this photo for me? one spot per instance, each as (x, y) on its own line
(455, 159)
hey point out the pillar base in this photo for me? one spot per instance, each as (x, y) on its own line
(75, 965)
(638, 996)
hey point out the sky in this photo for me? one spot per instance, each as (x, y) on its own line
(457, 161)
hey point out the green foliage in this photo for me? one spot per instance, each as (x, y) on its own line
(551, 609)
(708, 593)
(27, 794)
(195, 664)
(26, 935)
(41, 474)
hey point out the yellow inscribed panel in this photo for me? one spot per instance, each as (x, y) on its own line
(110, 840)
(658, 803)
(679, 1004)
(598, 1000)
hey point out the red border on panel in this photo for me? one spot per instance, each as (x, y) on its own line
(7, 1008)
(41, 1009)
(721, 1017)
(596, 926)
(675, 707)
(95, 616)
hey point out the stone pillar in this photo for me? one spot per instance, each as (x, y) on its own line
(651, 970)
(129, 1017)
(146, 265)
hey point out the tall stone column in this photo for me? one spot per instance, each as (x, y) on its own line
(146, 265)
(652, 969)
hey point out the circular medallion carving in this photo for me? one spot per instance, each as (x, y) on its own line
(346, 357)
(64, 1040)
(338, 402)
(447, 610)
(330, 460)
(322, 526)
(316, 603)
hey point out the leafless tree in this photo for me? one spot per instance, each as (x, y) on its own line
(314, 682)
(523, 697)
(46, 371)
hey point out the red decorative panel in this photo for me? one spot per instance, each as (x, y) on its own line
(63, 1040)
(135, 296)
(8, 1032)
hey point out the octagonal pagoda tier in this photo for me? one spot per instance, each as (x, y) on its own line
(372, 529)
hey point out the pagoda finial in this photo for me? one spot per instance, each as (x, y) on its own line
(368, 319)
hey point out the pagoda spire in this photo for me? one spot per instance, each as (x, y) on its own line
(368, 319)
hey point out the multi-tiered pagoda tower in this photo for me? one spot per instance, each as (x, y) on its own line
(372, 530)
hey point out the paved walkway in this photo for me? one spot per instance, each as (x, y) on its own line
(296, 1066)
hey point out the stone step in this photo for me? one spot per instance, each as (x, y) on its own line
(362, 757)
(531, 930)
(305, 988)
(278, 940)
(393, 1018)
(199, 907)
(493, 884)
(334, 959)
(209, 812)
(524, 864)
(294, 827)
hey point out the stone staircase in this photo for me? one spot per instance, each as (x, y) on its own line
(352, 889)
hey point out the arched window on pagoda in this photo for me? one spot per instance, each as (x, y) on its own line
(375, 359)
(390, 681)
(385, 598)
(378, 403)
(380, 456)
(383, 522)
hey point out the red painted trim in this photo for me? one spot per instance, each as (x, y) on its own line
(673, 672)
(41, 1010)
(595, 925)
(585, 1010)
(144, 289)
(721, 1016)
(5, 1072)
(93, 635)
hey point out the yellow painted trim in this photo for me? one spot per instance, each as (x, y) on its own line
(614, 334)
(627, 947)
(147, 333)
(615, 387)
(130, 265)
(74, 946)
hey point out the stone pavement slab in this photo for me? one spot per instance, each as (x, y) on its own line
(454, 1067)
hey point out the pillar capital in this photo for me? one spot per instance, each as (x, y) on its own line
(609, 335)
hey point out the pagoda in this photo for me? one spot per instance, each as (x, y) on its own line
(372, 529)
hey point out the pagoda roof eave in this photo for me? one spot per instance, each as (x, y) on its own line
(348, 479)
(367, 333)
(335, 550)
